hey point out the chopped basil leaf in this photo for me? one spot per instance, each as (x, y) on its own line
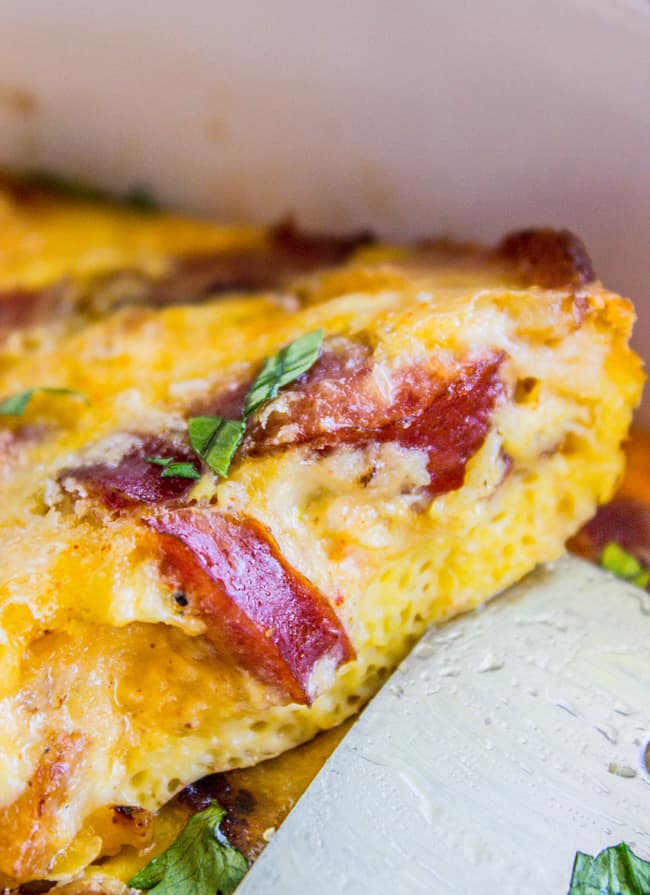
(616, 559)
(138, 197)
(15, 405)
(215, 440)
(174, 469)
(614, 871)
(159, 461)
(64, 186)
(180, 471)
(282, 368)
(200, 862)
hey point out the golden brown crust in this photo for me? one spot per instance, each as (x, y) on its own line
(547, 258)
(286, 253)
(26, 824)
(624, 521)
(534, 257)
(20, 308)
(167, 706)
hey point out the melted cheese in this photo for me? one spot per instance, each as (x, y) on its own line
(91, 642)
(50, 238)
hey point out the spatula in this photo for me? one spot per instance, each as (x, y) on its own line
(509, 739)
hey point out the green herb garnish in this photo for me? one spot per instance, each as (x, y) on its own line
(614, 871)
(282, 368)
(215, 439)
(174, 468)
(200, 862)
(15, 405)
(138, 197)
(61, 184)
(616, 559)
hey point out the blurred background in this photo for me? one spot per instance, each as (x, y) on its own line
(419, 118)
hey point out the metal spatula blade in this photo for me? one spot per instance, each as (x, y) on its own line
(509, 739)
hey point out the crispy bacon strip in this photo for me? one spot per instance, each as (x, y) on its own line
(342, 401)
(453, 427)
(625, 521)
(21, 308)
(288, 253)
(548, 258)
(133, 480)
(255, 605)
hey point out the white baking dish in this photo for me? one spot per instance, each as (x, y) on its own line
(465, 117)
(455, 117)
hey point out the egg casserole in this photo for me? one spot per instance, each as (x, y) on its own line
(164, 616)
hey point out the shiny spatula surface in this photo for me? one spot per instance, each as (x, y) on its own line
(509, 739)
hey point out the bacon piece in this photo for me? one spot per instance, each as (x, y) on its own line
(288, 253)
(341, 401)
(453, 427)
(20, 308)
(27, 824)
(624, 521)
(228, 403)
(237, 802)
(13, 441)
(132, 479)
(548, 258)
(257, 608)
(338, 399)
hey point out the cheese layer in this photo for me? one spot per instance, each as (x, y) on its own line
(111, 692)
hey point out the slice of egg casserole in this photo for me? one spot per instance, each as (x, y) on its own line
(243, 470)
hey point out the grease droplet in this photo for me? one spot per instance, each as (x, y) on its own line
(621, 770)
(491, 663)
